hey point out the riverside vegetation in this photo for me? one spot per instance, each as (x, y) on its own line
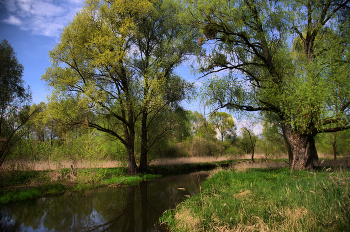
(267, 200)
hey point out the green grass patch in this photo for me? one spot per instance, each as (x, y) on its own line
(21, 195)
(273, 200)
(32, 193)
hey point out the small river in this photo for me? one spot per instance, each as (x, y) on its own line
(133, 208)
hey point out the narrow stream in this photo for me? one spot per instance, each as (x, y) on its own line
(132, 209)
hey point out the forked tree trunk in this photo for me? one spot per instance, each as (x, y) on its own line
(303, 150)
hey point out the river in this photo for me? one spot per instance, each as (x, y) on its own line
(132, 208)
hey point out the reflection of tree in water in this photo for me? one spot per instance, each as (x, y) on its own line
(133, 208)
(145, 203)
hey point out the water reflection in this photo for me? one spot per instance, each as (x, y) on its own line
(133, 208)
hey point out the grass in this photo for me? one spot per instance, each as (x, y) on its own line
(261, 200)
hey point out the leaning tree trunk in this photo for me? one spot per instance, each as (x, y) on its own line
(303, 149)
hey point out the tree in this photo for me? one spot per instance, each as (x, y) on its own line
(287, 58)
(14, 99)
(116, 58)
(223, 122)
(336, 143)
(272, 138)
(201, 126)
(249, 139)
(162, 43)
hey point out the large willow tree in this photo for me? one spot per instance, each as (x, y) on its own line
(288, 59)
(117, 59)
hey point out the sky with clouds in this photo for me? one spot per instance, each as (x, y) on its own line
(33, 27)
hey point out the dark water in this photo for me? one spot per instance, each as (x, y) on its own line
(133, 208)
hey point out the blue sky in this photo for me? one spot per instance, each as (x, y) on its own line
(33, 27)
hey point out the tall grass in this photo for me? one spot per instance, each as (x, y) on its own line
(267, 200)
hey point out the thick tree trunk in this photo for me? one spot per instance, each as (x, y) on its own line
(144, 140)
(303, 150)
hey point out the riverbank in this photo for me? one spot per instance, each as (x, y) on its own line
(267, 200)
(23, 185)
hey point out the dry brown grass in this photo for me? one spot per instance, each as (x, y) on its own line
(188, 160)
(186, 221)
(45, 165)
(243, 166)
(324, 160)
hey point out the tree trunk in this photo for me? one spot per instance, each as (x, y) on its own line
(144, 140)
(289, 148)
(303, 149)
(334, 146)
(132, 167)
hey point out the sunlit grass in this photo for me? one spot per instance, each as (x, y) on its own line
(275, 200)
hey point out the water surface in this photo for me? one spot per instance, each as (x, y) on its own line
(133, 208)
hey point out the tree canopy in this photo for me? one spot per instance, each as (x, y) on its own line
(117, 59)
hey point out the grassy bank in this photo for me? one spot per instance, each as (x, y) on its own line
(267, 200)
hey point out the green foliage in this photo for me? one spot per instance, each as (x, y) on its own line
(14, 99)
(223, 122)
(200, 125)
(274, 200)
(341, 141)
(272, 142)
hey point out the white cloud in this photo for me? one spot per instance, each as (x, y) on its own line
(41, 17)
(13, 20)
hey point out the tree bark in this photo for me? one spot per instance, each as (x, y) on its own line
(303, 149)
(144, 148)
(132, 167)
(289, 148)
